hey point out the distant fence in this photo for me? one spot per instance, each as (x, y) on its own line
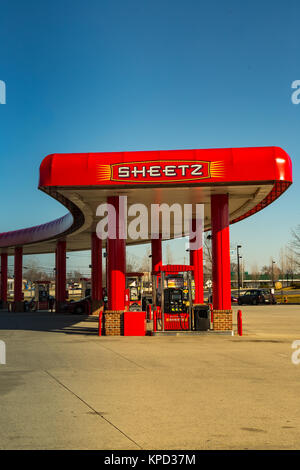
(284, 282)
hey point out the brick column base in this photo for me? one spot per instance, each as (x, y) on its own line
(96, 307)
(113, 323)
(222, 320)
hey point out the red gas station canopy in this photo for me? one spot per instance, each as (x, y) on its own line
(240, 165)
(252, 178)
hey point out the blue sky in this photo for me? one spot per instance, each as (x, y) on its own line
(115, 75)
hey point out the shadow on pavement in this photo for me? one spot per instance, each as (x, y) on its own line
(52, 322)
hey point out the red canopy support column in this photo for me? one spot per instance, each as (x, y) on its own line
(18, 279)
(4, 279)
(196, 260)
(60, 261)
(156, 252)
(221, 262)
(106, 269)
(116, 256)
(96, 273)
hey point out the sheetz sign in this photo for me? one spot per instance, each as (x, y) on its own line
(162, 171)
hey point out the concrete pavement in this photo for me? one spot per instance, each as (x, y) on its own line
(63, 387)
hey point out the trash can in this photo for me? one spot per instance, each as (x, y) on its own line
(201, 317)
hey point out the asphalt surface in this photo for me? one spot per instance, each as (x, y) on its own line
(63, 387)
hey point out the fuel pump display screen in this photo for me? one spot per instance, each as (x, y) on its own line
(173, 301)
(43, 296)
(134, 295)
(175, 297)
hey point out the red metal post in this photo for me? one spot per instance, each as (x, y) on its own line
(18, 274)
(149, 312)
(100, 323)
(60, 259)
(154, 320)
(4, 277)
(96, 267)
(220, 252)
(116, 256)
(196, 260)
(239, 323)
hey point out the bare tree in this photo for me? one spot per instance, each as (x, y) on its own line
(266, 269)
(74, 275)
(145, 263)
(295, 245)
(255, 272)
(282, 261)
(132, 263)
(291, 263)
(34, 273)
(169, 256)
(234, 269)
(273, 270)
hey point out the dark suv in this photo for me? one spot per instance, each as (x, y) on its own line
(257, 296)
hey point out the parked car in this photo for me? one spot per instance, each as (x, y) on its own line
(81, 306)
(257, 296)
(234, 299)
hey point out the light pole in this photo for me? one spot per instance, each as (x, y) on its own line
(238, 266)
(242, 272)
(273, 262)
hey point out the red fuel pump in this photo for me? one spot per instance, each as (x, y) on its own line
(133, 293)
(172, 298)
(41, 300)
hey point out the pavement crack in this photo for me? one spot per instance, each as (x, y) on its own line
(91, 408)
(123, 357)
